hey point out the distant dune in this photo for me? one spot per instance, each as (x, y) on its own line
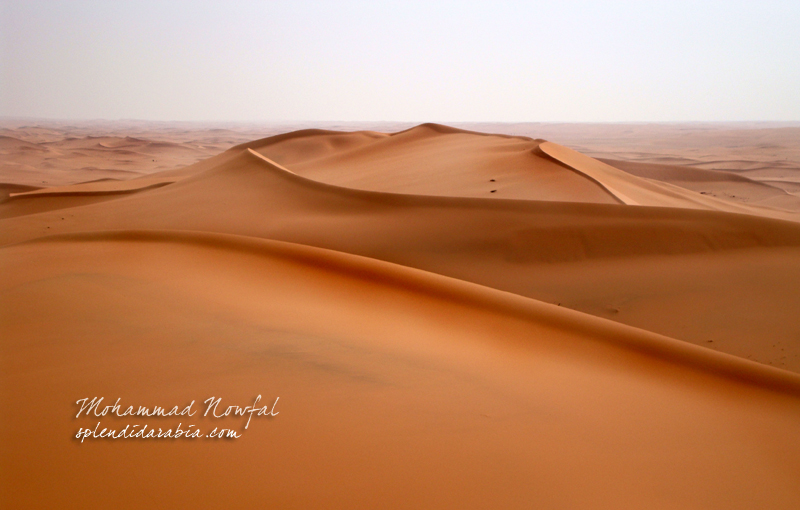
(451, 319)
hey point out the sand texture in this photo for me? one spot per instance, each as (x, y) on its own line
(451, 319)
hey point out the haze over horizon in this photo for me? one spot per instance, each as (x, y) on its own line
(449, 62)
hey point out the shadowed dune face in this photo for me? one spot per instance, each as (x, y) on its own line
(451, 320)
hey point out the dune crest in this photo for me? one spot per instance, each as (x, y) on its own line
(632, 190)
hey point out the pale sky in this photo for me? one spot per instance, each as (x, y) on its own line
(439, 61)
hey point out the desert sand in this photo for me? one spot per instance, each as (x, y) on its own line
(557, 316)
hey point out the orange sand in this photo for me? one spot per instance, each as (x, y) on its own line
(450, 319)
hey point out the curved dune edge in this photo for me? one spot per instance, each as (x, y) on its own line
(588, 327)
(725, 207)
(252, 179)
(627, 189)
(433, 160)
(302, 133)
(99, 188)
(250, 182)
(86, 193)
(248, 155)
(282, 172)
(275, 165)
(586, 168)
(632, 190)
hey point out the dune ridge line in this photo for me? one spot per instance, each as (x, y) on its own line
(465, 293)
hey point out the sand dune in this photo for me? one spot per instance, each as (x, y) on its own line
(432, 160)
(631, 190)
(53, 160)
(451, 320)
(727, 185)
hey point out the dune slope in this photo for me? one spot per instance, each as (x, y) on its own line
(579, 338)
(610, 260)
(398, 388)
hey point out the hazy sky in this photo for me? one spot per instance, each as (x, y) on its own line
(407, 60)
